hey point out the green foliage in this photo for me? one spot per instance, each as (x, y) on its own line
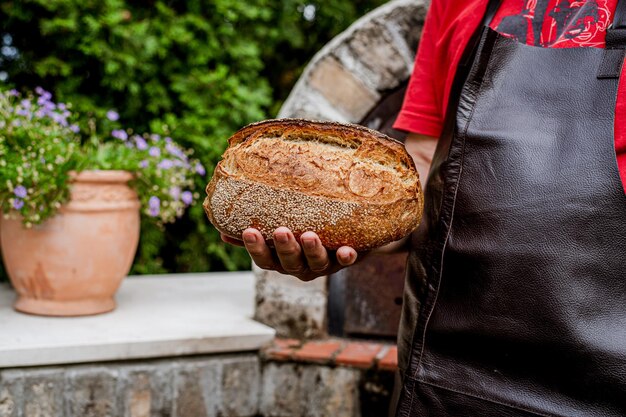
(199, 69)
(39, 149)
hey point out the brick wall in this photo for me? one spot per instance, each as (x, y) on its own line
(190, 387)
(290, 379)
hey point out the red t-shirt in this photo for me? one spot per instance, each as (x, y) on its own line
(545, 23)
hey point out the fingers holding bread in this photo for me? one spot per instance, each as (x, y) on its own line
(316, 255)
(289, 252)
(306, 260)
(260, 253)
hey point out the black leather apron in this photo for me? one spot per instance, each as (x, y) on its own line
(515, 300)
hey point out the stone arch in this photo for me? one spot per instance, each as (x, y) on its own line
(355, 71)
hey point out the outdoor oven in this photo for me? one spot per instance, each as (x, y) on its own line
(358, 77)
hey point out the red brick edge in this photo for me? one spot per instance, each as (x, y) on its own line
(363, 355)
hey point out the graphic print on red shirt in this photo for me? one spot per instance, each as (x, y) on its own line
(541, 23)
(555, 23)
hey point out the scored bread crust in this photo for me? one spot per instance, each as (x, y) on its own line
(351, 185)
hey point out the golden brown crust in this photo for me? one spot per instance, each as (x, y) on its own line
(351, 185)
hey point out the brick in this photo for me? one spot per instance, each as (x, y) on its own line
(281, 393)
(197, 389)
(330, 391)
(309, 391)
(359, 354)
(7, 403)
(43, 393)
(91, 392)
(138, 395)
(241, 378)
(11, 393)
(281, 349)
(342, 89)
(373, 55)
(318, 351)
(307, 103)
(389, 361)
(147, 390)
(407, 19)
(286, 343)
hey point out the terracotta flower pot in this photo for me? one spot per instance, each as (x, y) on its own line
(73, 264)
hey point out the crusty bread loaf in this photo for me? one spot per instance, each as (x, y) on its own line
(351, 185)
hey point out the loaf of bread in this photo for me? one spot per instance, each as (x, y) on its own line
(351, 185)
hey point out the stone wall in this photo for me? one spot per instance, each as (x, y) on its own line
(192, 387)
(240, 385)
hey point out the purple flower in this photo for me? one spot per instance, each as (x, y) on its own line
(200, 169)
(143, 164)
(25, 103)
(141, 143)
(113, 116)
(187, 197)
(154, 137)
(13, 92)
(75, 128)
(119, 134)
(58, 118)
(45, 95)
(165, 164)
(154, 205)
(44, 101)
(175, 151)
(168, 140)
(23, 112)
(156, 152)
(20, 191)
(18, 204)
(175, 192)
(62, 106)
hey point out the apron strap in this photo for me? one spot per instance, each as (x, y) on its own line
(490, 12)
(616, 33)
(614, 52)
(492, 9)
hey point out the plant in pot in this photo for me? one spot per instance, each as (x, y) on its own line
(71, 207)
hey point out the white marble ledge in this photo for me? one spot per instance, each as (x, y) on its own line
(157, 316)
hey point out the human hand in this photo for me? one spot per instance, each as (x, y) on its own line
(306, 259)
